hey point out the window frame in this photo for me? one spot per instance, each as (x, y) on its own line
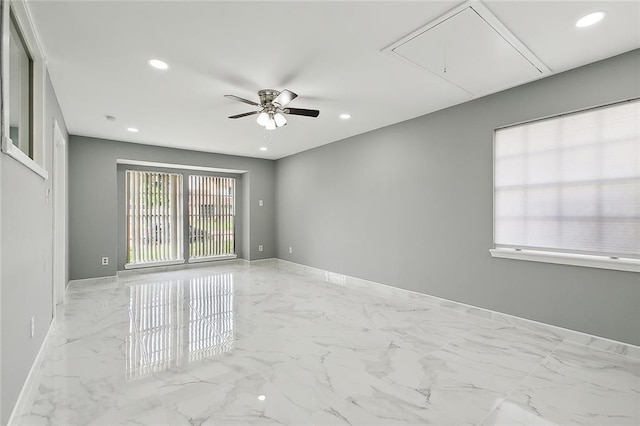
(178, 238)
(18, 11)
(29, 127)
(227, 256)
(123, 165)
(552, 255)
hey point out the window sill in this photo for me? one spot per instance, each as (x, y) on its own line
(153, 264)
(212, 258)
(589, 261)
(12, 151)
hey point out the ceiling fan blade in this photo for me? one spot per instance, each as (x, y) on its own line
(245, 114)
(238, 98)
(302, 111)
(284, 97)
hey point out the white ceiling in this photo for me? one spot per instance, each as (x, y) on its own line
(330, 53)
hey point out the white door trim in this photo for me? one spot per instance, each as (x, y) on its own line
(59, 215)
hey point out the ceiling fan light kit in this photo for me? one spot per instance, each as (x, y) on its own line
(271, 121)
(272, 108)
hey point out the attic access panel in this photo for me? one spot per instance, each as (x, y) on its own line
(471, 49)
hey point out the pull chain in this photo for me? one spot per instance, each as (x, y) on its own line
(267, 135)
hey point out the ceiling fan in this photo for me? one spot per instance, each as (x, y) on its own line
(273, 107)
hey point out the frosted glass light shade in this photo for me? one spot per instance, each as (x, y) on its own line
(263, 119)
(271, 124)
(279, 119)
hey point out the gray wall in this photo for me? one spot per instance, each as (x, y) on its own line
(411, 206)
(94, 189)
(27, 255)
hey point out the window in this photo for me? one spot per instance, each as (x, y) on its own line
(211, 216)
(571, 184)
(23, 122)
(157, 206)
(20, 90)
(154, 217)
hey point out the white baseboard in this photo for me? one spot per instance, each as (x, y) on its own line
(27, 388)
(574, 336)
(90, 281)
(199, 264)
(272, 261)
(155, 269)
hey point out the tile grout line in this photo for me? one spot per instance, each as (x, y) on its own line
(529, 374)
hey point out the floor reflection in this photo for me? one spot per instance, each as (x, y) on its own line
(172, 323)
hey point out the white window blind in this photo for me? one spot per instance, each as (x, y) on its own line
(211, 216)
(154, 217)
(571, 183)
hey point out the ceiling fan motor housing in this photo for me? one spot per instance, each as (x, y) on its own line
(267, 96)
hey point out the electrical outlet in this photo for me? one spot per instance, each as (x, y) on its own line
(290, 249)
(32, 327)
(105, 261)
(260, 248)
(260, 203)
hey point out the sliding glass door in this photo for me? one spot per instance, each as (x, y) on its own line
(154, 217)
(211, 204)
(158, 205)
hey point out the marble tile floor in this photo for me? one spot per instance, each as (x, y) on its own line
(239, 344)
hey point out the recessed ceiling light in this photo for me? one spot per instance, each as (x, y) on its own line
(132, 129)
(158, 64)
(345, 116)
(264, 148)
(262, 397)
(590, 19)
